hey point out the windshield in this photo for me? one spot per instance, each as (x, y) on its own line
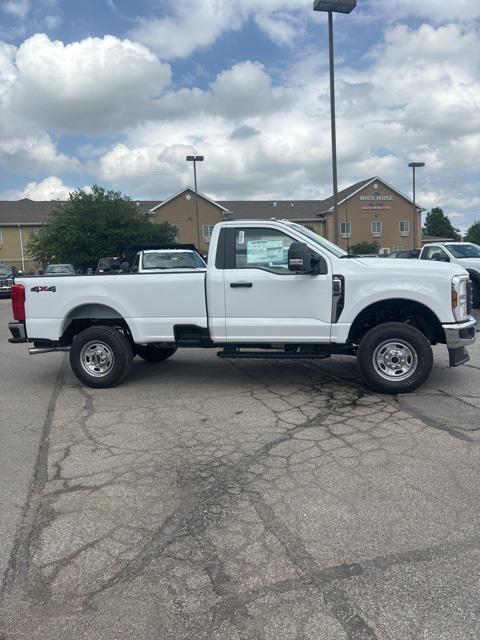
(5, 271)
(59, 268)
(322, 242)
(172, 260)
(464, 250)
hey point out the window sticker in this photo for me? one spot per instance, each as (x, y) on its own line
(241, 237)
(264, 251)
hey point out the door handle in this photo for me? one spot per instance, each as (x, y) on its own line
(239, 285)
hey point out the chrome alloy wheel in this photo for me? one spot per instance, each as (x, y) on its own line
(97, 359)
(395, 360)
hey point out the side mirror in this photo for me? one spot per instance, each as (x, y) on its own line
(299, 258)
(125, 267)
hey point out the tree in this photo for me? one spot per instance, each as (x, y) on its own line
(92, 225)
(438, 224)
(473, 234)
(364, 247)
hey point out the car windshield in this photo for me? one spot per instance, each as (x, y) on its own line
(60, 268)
(322, 242)
(464, 250)
(5, 271)
(172, 260)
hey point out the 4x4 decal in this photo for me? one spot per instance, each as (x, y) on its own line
(43, 289)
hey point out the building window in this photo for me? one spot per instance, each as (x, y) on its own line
(346, 229)
(404, 227)
(376, 228)
(207, 231)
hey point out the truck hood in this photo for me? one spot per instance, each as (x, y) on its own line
(470, 263)
(415, 268)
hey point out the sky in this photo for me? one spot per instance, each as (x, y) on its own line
(117, 93)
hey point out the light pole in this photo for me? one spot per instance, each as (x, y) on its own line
(196, 159)
(331, 7)
(414, 166)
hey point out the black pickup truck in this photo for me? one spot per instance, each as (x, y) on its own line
(7, 274)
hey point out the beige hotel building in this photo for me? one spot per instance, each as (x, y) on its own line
(371, 210)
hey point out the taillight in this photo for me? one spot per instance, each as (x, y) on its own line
(18, 302)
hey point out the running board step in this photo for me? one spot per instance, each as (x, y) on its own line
(275, 355)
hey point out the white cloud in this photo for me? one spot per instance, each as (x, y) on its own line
(436, 11)
(106, 83)
(51, 188)
(17, 8)
(52, 22)
(196, 24)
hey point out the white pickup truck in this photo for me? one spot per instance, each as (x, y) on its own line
(465, 254)
(272, 289)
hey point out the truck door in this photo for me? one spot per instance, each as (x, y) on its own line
(264, 301)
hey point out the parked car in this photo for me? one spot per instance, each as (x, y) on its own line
(405, 255)
(60, 270)
(464, 254)
(7, 274)
(109, 265)
(272, 289)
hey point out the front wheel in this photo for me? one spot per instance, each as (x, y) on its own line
(395, 358)
(101, 357)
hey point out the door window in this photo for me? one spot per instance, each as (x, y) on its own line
(262, 249)
(436, 253)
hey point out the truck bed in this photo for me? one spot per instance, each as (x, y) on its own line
(152, 304)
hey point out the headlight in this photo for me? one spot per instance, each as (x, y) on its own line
(460, 297)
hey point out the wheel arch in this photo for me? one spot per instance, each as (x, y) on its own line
(404, 310)
(89, 315)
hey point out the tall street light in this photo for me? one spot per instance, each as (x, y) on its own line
(414, 166)
(331, 7)
(196, 159)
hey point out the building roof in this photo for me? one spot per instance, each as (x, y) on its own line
(25, 211)
(185, 190)
(264, 209)
(345, 194)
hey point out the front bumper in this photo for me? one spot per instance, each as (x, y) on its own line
(458, 336)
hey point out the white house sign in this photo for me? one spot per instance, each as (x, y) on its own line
(376, 201)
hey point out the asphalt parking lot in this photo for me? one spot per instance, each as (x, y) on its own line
(240, 500)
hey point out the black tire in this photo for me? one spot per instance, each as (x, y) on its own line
(395, 358)
(152, 353)
(91, 347)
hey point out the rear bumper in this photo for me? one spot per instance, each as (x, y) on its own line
(459, 336)
(19, 335)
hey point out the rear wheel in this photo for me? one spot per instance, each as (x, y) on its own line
(101, 357)
(152, 353)
(395, 358)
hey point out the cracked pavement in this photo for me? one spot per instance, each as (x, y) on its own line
(251, 500)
